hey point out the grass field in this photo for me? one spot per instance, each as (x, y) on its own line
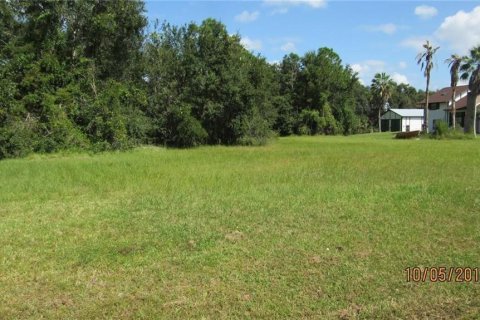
(306, 227)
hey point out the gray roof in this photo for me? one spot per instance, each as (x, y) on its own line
(408, 112)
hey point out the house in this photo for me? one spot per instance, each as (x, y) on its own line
(404, 120)
(440, 107)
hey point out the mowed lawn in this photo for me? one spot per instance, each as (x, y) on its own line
(306, 227)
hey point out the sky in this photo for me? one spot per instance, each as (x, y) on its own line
(370, 36)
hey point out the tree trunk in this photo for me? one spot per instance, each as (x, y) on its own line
(454, 110)
(471, 103)
(469, 112)
(475, 120)
(425, 111)
(379, 121)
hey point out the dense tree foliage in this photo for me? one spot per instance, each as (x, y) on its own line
(318, 94)
(201, 80)
(85, 74)
(68, 78)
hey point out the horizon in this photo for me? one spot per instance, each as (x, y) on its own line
(370, 36)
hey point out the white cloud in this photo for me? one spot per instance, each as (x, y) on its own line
(251, 44)
(402, 65)
(388, 28)
(246, 16)
(310, 3)
(283, 5)
(399, 78)
(461, 31)
(288, 47)
(314, 3)
(285, 44)
(356, 67)
(280, 11)
(374, 65)
(426, 12)
(367, 69)
(415, 42)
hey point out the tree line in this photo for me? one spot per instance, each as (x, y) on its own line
(86, 74)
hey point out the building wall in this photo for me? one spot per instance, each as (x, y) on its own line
(439, 114)
(414, 123)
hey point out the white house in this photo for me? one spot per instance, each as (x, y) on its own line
(440, 107)
(404, 120)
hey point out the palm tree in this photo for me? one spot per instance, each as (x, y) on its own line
(454, 62)
(382, 89)
(425, 59)
(471, 71)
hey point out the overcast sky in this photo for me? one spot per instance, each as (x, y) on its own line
(371, 36)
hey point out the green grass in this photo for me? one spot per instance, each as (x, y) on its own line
(306, 227)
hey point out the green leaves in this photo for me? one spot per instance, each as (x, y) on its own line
(225, 87)
(425, 59)
(83, 74)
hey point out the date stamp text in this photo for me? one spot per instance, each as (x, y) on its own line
(442, 274)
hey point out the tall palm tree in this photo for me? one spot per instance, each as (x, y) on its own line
(471, 71)
(425, 60)
(382, 90)
(454, 62)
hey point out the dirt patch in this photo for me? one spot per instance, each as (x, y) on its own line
(191, 244)
(235, 236)
(62, 301)
(176, 303)
(351, 312)
(315, 259)
(129, 250)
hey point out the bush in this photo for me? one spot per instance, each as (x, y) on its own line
(310, 122)
(253, 130)
(459, 134)
(329, 124)
(181, 129)
(114, 119)
(304, 130)
(441, 129)
(443, 132)
(16, 139)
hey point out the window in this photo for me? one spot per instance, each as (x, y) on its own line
(434, 106)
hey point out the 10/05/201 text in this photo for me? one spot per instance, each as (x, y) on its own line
(442, 274)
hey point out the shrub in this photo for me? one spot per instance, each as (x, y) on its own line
(114, 119)
(304, 130)
(16, 139)
(181, 129)
(441, 129)
(329, 124)
(443, 132)
(310, 122)
(253, 130)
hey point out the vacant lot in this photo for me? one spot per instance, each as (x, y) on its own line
(310, 227)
